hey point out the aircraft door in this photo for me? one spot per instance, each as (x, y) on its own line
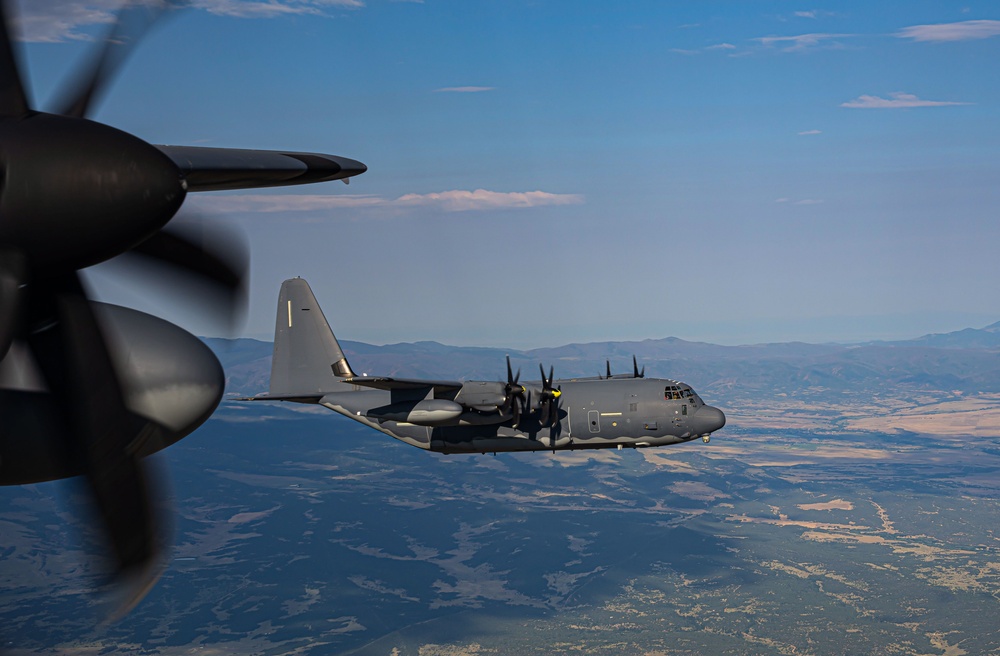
(594, 419)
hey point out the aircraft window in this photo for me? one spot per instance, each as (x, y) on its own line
(684, 409)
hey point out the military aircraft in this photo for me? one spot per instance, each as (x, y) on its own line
(478, 416)
(87, 388)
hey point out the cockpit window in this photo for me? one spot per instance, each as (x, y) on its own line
(671, 392)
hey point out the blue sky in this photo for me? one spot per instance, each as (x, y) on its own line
(548, 172)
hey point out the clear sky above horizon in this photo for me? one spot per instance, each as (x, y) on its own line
(545, 172)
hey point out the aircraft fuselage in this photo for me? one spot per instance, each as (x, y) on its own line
(593, 413)
(476, 416)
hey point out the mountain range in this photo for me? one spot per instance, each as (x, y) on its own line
(966, 360)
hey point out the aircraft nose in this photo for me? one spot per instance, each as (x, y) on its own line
(708, 419)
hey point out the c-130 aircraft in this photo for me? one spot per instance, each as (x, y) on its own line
(478, 416)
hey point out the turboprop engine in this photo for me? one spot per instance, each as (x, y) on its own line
(168, 376)
(485, 396)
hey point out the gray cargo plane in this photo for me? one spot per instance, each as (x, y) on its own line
(478, 416)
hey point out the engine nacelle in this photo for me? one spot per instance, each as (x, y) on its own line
(482, 395)
(167, 375)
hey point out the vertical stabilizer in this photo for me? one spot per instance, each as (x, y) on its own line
(307, 358)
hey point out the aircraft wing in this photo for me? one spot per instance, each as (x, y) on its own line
(379, 382)
(296, 398)
(215, 169)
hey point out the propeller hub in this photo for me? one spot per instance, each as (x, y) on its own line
(76, 192)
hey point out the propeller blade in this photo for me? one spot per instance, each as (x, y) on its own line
(102, 433)
(12, 275)
(514, 399)
(208, 266)
(132, 23)
(555, 428)
(13, 98)
(608, 363)
(505, 407)
(548, 396)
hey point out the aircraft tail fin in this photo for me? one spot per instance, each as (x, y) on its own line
(308, 360)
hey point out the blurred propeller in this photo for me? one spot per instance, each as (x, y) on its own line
(205, 265)
(76, 193)
(102, 436)
(133, 22)
(13, 98)
(12, 273)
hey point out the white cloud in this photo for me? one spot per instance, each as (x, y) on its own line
(262, 9)
(66, 20)
(718, 46)
(271, 8)
(447, 201)
(963, 31)
(481, 199)
(804, 201)
(260, 203)
(51, 21)
(896, 101)
(813, 13)
(463, 89)
(806, 132)
(801, 42)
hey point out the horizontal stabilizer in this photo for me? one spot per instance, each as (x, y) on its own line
(215, 169)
